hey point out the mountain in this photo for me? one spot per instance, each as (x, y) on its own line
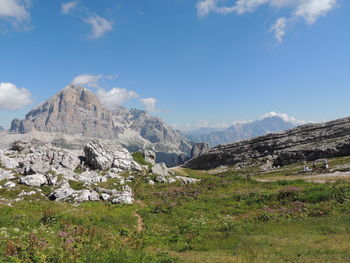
(77, 111)
(1, 129)
(241, 131)
(304, 143)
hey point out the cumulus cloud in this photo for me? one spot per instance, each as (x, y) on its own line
(115, 97)
(87, 80)
(67, 7)
(99, 26)
(13, 98)
(284, 117)
(15, 11)
(150, 104)
(309, 10)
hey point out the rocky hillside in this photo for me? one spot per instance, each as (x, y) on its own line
(101, 172)
(304, 143)
(240, 131)
(78, 111)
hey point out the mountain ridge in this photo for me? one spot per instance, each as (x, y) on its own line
(76, 110)
(241, 130)
(308, 142)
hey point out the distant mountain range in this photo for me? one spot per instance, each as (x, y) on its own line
(243, 130)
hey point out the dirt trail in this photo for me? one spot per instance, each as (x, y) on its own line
(140, 224)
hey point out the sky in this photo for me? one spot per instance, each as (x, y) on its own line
(191, 62)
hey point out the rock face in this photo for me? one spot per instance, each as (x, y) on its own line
(77, 110)
(104, 157)
(304, 143)
(199, 149)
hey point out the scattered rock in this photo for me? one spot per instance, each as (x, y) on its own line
(187, 180)
(160, 169)
(34, 180)
(9, 184)
(6, 175)
(85, 195)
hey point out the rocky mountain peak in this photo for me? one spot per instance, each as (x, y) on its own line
(78, 111)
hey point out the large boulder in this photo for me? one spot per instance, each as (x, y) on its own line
(160, 169)
(62, 193)
(34, 180)
(103, 157)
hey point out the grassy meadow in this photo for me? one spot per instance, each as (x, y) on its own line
(227, 217)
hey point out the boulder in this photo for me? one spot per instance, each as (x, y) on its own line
(9, 184)
(90, 177)
(98, 156)
(160, 169)
(34, 180)
(6, 175)
(187, 180)
(150, 156)
(103, 157)
(85, 196)
(62, 193)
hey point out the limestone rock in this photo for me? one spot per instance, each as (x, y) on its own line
(160, 169)
(187, 180)
(85, 195)
(6, 175)
(150, 156)
(9, 184)
(62, 193)
(34, 180)
(104, 157)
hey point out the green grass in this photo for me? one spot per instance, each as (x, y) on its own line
(224, 218)
(139, 158)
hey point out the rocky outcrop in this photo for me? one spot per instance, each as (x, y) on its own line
(150, 156)
(199, 149)
(78, 111)
(305, 143)
(105, 157)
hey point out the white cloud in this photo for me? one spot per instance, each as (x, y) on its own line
(13, 98)
(150, 104)
(284, 117)
(309, 10)
(15, 11)
(87, 80)
(66, 8)
(99, 26)
(115, 97)
(279, 28)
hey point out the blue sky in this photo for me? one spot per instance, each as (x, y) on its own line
(187, 61)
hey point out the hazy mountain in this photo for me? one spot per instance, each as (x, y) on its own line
(242, 130)
(78, 111)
